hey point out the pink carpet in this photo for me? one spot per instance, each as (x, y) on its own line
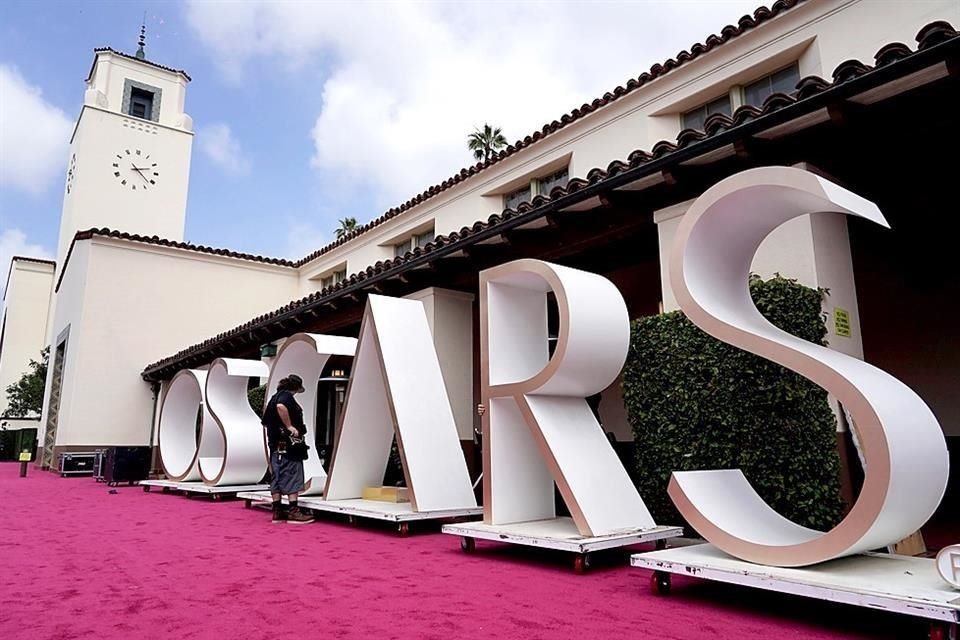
(79, 562)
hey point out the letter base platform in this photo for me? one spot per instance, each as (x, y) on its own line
(398, 513)
(559, 534)
(199, 488)
(900, 584)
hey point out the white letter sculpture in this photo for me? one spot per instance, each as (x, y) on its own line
(903, 446)
(396, 388)
(177, 434)
(305, 354)
(233, 449)
(948, 564)
(538, 428)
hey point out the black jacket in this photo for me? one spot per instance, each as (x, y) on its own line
(276, 432)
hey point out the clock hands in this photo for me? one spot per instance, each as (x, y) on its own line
(139, 171)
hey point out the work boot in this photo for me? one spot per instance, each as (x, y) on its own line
(279, 513)
(299, 516)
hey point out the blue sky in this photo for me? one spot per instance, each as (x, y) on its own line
(307, 112)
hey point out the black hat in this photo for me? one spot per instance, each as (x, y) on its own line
(295, 380)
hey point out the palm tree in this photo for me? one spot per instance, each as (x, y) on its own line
(485, 143)
(347, 226)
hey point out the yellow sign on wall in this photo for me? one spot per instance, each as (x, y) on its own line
(841, 322)
(24, 456)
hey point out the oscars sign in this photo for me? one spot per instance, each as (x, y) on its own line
(208, 431)
(905, 454)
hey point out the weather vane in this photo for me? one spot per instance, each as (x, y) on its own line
(141, 55)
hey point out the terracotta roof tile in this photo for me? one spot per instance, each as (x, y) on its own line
(164, 242)
(807, 88)
(144, 61)
(729, 32)
(29, 259)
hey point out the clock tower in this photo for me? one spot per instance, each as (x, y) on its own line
(129, 161)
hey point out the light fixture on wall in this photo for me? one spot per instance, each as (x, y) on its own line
(268, 350)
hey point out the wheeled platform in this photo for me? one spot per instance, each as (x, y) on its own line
(401, 513)
(265, 498)
(199, 488)
(557, 533)
(901, 584)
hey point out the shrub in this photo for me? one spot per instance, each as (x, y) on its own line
(698, 403)
(257, 397)
(25, 396)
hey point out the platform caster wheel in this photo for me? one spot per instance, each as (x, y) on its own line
(581, 562)
(248, 504)
(468, 545)
(216, 497)
(661, 544)
(404, 529)
(146, 489)
(166, 490)
(660, 583)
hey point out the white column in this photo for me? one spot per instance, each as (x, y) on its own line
(450, 316)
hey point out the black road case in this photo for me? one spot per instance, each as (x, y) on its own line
(126, 464)
(77, 464)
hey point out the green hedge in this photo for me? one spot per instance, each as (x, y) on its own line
(697, 403)
(257, 397)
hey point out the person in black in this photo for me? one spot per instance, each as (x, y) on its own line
(283, 420)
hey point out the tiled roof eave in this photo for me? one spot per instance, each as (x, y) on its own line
(816, 94)
(745, 24)
(36, 260)
(113, 234)
(99, 50)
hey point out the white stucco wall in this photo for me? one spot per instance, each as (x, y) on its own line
(142, 303)
(818, 35)
(25, 304)
(97, 197)
(108, 77)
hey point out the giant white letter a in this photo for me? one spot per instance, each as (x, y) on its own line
(396, 388)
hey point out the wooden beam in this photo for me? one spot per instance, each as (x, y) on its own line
(753, 150)
(844, 113)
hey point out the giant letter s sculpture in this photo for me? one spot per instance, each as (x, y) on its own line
(902, 443)
(305, 354)
(233, 450)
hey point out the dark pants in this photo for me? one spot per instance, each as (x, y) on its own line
(286, 474)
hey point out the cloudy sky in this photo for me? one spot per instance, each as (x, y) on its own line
(306, 112)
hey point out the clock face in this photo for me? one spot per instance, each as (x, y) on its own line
(135, 170)
(71, 172)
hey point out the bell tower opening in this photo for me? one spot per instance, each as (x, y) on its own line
(129, 162)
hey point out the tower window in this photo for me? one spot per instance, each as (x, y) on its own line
(141, 103)
(141, 100)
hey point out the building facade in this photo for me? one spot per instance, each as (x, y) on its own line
(824, 84)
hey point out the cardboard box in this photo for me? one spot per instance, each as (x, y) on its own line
(386, 494)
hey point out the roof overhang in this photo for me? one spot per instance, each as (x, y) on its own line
(753, 134)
